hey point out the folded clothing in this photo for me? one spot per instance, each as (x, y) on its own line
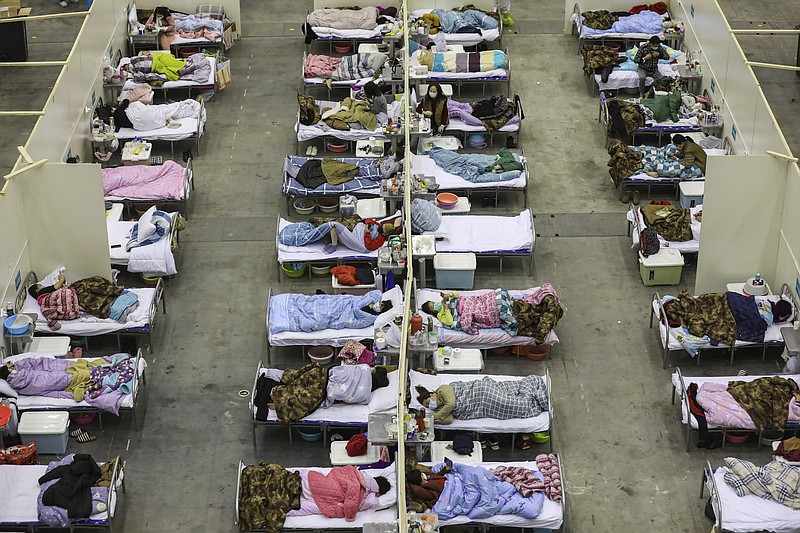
(123, 306)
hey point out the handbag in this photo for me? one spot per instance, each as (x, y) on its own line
(223, 75)
(22, 454)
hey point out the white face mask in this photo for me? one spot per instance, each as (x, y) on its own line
(424, 477)
(433, 94)
(432, 404)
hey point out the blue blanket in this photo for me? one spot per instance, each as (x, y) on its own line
(471, 167)
(475, 492)
(349, 384)
(369, 177)
(452, 21)
(750, 326)
(648, 22)
(301, 313)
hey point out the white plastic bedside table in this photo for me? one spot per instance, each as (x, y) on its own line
(739, 287)
(469, 361)
(439, 451)
(58, 346)
(339, 455)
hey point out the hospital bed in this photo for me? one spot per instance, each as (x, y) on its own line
(627, 79)
(155, 188)
(465, 39)
(387, 513)
(150, 39)
(688, 125)
(19, 485)
(171, 87)
(745, 514)
(668, 336)
(141, 322)
(542, 423)
(636, 224)
(423, 164)
(153, 260)
(318, 83)
(190, 128)
(551, 519)
(485, 236)
(336, 416)
(331, 337)
(679, 385)
(588, 35)
(361, 187)
(46, 403)
(339, 35)
(462, 78)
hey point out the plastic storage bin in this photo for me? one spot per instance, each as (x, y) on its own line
(49, 430)
(663, 268)
(454, 271)
(356, 290)
(691, 193)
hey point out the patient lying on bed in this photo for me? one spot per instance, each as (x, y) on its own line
(143, 116)
(353, 233)
(341, 493)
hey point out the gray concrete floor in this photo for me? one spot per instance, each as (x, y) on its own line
(621, 440)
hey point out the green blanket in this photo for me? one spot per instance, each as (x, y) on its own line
(356, 111)
(672, 223)
(167, 65)
(664, 107)
(338, 172)
(506, 161)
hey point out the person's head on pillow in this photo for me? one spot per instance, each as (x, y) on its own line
(5, 370)
(383, 485)
(781, 311)
(380, 378)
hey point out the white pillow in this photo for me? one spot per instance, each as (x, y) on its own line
(6, 390)
(426, 380)
(390, 473)
(52, 278)
(385, 398)
(146, 226)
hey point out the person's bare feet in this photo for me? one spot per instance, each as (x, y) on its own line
(271, 406)
(653, 174)
(76, 353)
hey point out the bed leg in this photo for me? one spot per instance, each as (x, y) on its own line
(149, 342)
(673, 395)
(733, 352)
(688, 433)
(135, 421)
(763, 353)
(501, 264)
(254, 436)
(666, 354)
(496, 196)
(100, 419)
(703, 483)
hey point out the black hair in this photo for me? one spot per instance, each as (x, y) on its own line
(380, 378)
(427, 307)
(414, 477)
(782, 311)
(383, 485)
(678, 138)
(424, 394)
(371, 89)
(439, 91)
(121, 119)
(655, 40)
(4, 372)
(162, 11)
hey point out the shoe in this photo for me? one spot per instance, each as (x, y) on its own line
(636, 197)
(510, 144)
(494, 444)
(742, 373)
(308, 150)
(626, 197)
(487, 201)
(666, 202)
(483, 444)
(63, 3)
(507, 20)
(82, 436)
(313, 151)
(334, 237)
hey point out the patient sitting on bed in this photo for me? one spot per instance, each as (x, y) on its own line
(341, 493)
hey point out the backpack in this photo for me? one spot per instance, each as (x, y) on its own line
(105, 111)
(462, 444)
(648, 242)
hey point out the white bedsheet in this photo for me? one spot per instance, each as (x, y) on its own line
(187, 130)
(692, 246)
(481, 425)
(129, 83)
(646, 177)
(496, 74)
(39, 402)
(486, 338)
(773, 333)
(154, 259)
(335, 33)
(337, 337)
(19, 485)
(356, 132)
(423, 164)
(629, 79)
(464, 39)
(314, 251)
(748, 514)
(91, 325)
(485, 233)
(551, 517)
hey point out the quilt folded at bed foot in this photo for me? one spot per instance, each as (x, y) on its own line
(266, 493)
(475, 492)
(704, 315)
(671, 222)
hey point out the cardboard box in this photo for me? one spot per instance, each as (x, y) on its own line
(9, 8)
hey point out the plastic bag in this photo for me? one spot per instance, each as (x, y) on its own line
(223, 73)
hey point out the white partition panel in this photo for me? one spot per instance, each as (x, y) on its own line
(788, 264)
(232, 8)
(742, 216)
(14, 256)
(66, 220)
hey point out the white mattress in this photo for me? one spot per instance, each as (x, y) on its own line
(423, 164)
(486, 338)
(19, 485)
(91, 325)
(700, 380)
(334, 337)
(314, 251)
(551, 517)
(750, 513)
(187, 130)
(356, 132)
(495, 74)
(629, 79)
(690, 122)
(39, 402)
(692, 246)
(457, 124)
(344, 83)
(464, 39)
(773, 333)
(481, 425)
(335, 33)
(129, 83)
(153, 259)
(485, 233)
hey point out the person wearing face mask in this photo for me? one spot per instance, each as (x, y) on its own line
(425, 487)
(434, 107)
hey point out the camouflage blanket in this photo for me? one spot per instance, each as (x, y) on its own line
(707, 314)
(267, 492)
(624, 117)
(599, 20)
(624, 161)
(300, 392)
(671, 222)
(598, 56)
(96, 294)
(765, 400)
(537, 320)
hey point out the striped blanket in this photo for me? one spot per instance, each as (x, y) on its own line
(464, 61)
(500, 400)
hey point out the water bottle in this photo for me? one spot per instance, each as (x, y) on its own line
(757, 280)
(9, 309)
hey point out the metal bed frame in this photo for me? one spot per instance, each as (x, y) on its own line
(174, 235)
(87, 523)
(723, 429)
(362, 193)
(674, 40)
(634, 226)
(458, 82)
(499, 39)
(662, 319)
(659, 131)
(394, 83)
(354, 41)
(518, 134)
(135, 390)
(197, 135)
(158, 297)
(325, 426)
(499, 254)
(181, 205)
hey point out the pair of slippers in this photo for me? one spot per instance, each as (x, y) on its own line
(490, 442)
(311, 151)
(660, 202)
(630, 196)
(82, 436)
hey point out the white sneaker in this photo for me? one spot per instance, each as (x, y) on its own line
(63, 3)
(308, 150)
(313, 151)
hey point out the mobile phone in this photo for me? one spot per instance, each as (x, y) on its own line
(116, 246)
(448, 462)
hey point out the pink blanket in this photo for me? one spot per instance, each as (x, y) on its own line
(342, 492)
(320, 66)
(722, 410)
(143, 182)
(203, 33)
